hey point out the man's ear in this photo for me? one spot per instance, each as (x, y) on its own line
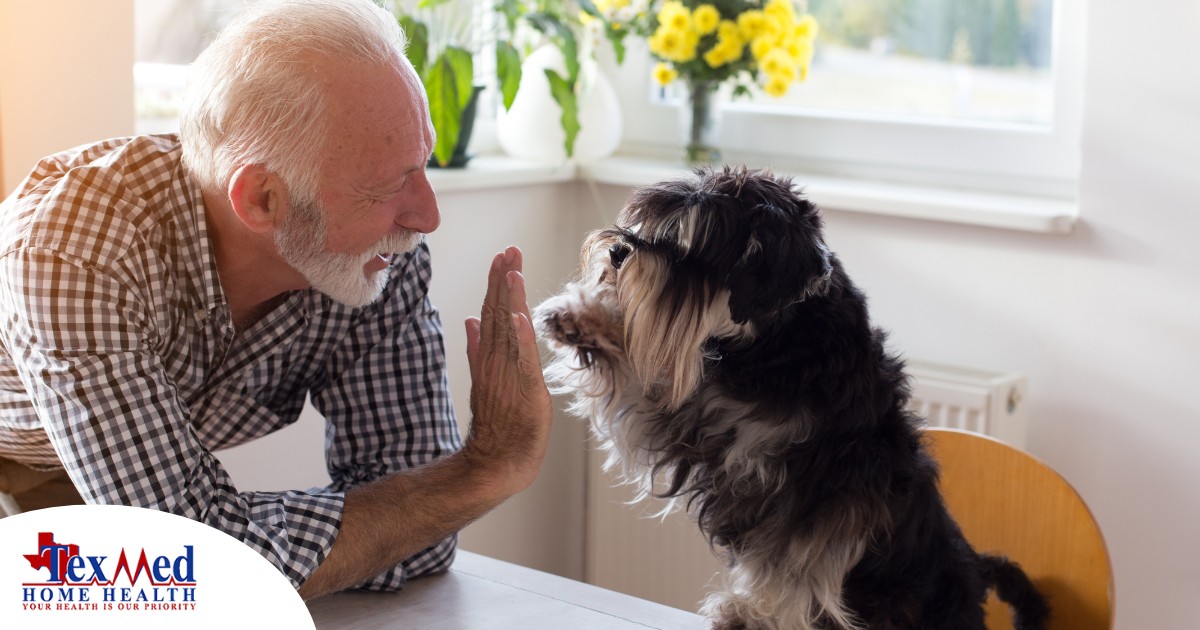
(258, 197)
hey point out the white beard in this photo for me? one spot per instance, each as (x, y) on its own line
(301, 243)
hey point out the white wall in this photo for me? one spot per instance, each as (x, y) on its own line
(1130, 425)
(66, 78)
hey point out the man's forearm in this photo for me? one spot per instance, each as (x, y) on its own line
(393, 518)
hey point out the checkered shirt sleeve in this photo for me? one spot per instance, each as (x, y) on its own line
(387, 401)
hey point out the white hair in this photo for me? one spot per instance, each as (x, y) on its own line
(256, 97)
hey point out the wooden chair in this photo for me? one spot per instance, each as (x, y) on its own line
(1008, 502)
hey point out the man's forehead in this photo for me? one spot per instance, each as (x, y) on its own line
(379, 123)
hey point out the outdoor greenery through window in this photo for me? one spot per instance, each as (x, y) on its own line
(936, 60)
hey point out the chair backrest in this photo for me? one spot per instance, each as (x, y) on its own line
(1009, 503)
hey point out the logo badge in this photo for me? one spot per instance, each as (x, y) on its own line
(74, 580)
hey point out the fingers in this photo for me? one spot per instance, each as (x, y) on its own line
(494, 331)
(517, 297)
(496, 327)
(495, 314)
(525, 339)
(472, 324)
(491, 298)
(530, 362)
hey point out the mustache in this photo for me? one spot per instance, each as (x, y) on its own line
(401, 242)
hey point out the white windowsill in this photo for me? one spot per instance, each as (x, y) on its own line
(499, 171)
(996, 210)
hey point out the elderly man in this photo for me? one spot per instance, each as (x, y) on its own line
(164, 297)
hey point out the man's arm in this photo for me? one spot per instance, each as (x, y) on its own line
(391, 519)
(89, 352)
(383, 389)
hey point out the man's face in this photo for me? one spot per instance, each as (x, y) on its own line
(375, 200)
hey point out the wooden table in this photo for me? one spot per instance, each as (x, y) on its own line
(483, 593)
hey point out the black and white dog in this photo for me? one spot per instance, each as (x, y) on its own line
(727, 362)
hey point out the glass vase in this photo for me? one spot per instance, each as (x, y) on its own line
(700, 123)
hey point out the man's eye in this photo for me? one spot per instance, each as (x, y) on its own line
(617, 254)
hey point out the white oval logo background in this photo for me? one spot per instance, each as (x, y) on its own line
(233, 585)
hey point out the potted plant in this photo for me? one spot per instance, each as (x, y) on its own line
(557, 22)
(441, 47)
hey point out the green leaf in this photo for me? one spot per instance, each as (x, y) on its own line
(570, 51)
(617, 37)
(418, 43)
(563, 92)
(441, 87)
(512, 10)
(429, 4)
(544, 23)
(589, 8)
(463, 68)
(562, 36)
(508, 72)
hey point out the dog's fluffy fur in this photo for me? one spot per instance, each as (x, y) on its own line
(727, 362)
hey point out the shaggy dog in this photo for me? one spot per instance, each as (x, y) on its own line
(727, 362)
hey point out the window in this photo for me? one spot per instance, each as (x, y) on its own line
(981, 94)
(933, 60)
(169, 35)
(977, 94)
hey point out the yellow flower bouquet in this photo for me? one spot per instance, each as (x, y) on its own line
(766, 44)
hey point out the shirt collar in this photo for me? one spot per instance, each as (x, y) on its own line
(202, 263)
(197, 250)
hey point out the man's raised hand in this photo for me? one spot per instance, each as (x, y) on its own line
(510, 406)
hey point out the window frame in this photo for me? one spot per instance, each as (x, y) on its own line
(988, 156)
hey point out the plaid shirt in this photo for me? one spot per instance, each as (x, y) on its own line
(119, 359)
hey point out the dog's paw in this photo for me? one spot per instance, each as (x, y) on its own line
(563, 327)
(581, 327)
(579, 319)
(729, 624)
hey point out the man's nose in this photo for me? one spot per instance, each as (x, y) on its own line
(421, 213)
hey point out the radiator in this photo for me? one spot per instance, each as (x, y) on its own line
(666, 560)
(987, 402)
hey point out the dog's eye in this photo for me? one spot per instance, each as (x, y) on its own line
(617, 254)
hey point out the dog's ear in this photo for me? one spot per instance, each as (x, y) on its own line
(785, 261)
